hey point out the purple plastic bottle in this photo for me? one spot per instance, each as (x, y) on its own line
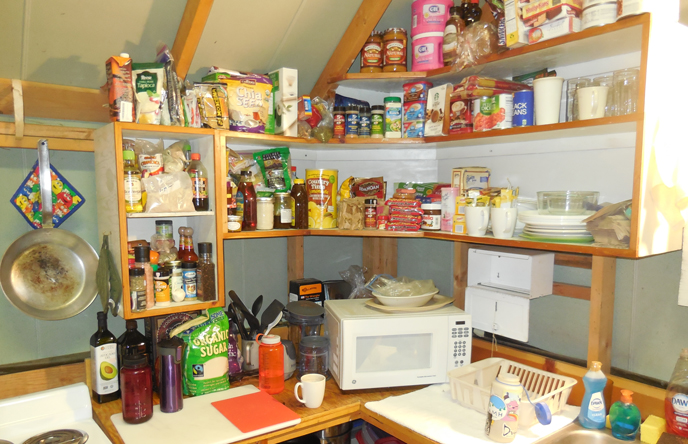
(170, 352)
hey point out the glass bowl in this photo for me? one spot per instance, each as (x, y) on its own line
(566, 202)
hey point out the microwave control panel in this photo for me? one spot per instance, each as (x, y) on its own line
(460, 342)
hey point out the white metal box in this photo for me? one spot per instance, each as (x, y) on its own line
(529, 273)
(501, 312)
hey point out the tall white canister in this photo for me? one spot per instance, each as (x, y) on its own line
(502, 412)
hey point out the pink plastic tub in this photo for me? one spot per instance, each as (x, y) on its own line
(429, 16)
(427, 51)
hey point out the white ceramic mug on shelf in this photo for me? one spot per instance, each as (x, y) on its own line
(591, 102)
(476, 220)
(313, 389)
(503, 222)
(547, 93)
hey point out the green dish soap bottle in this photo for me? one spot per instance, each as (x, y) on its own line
(624, 417)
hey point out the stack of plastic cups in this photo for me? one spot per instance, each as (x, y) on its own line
(428, 18)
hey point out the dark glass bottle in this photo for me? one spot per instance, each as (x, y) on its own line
(300, 210)
(104, 368)
(246, 199)
(132, 342)
(199, 183)
(471, 11)
(137, 390)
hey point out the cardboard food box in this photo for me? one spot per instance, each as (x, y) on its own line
(466, 178)
(550, 30)
(306, 289)
(437, 116)
(521, 17)
(416, 91)
(285, 93)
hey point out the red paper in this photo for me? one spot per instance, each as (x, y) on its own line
(255, 411)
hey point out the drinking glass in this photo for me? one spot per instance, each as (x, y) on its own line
(571, 88)
(608, 81)
(626, 91)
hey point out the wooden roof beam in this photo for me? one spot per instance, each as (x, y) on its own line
(368, 15)
(189, 34)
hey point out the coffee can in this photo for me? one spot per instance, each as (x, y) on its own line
(523, 108)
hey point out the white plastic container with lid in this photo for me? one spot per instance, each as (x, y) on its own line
(502, 411)
(265, 212)
(432, 219)
(598, 13)
(429, 16)
(426, 50)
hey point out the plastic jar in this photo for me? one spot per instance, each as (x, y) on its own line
(393, 117)
(371, 53)
(314, 356)
(598, 13)
(265, 208)
(426, 50)
(162, 287)
(432, 218)
(370, 221)
(351, 122)
(377, 122)
(429, 15)
(234, 223)
(271, 364)
(305, 319)
(137, 289)
(339, 117)
(189, 280)
(176, 281)
(364, 122)
(137, 390)
(163, 228)
(283, 205)
(394, 47)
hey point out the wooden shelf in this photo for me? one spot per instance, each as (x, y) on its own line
(615, 39)
(175, 307)
(261, 234)
(161, 131)
(169, 214)
(365, 233)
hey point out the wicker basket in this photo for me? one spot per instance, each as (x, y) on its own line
(470, 386)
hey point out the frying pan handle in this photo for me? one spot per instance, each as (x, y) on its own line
(46, 183)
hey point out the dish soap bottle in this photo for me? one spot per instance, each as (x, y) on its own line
(624, 417)
(676, 402)
(592, 414)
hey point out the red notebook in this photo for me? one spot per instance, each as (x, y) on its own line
(255, 411)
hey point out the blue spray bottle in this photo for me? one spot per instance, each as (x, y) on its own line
(593, 414)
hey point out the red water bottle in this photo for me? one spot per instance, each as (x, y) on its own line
(271, 364)
(137, 389)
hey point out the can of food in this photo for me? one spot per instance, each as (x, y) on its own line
(523, 108)
(598, 13)
(494, 112)
(321, 187)
(631, 7)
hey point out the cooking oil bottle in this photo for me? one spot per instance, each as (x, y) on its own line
(133, 191)
(676, 402)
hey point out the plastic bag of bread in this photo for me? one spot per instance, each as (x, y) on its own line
(480, 39)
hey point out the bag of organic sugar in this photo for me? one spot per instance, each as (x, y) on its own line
(205, 366)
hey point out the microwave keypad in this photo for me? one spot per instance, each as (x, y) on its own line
(460, 337)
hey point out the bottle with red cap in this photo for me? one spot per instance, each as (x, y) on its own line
(199, 183)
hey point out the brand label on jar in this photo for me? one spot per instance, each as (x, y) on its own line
(364, 126)
(138, 300)
(104, 369)
(494, 113)
(393, 120)
(424, 54)
(199, 187)
(372, 55)
(285, 215)
(376, 124)
(339, 124)
(239, 204)
(162, 291)
(132, 189)
(189, 278)
(151, 164)
(395, 52)
(352, 124)
(434, 14)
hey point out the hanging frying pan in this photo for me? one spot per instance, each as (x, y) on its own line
(49, 273)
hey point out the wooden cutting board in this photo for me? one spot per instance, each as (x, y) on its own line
(198, 422)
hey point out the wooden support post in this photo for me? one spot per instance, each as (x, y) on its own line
(294, 258)
(379, 256)
(189, 34)
(460, 274)
(363, 23)
(601, 311)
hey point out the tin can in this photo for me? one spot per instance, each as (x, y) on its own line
(523, 108)
(494, 112)
(598, 13)
(321, 188)
(627, 8)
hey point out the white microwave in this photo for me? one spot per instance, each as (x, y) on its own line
(374, 349)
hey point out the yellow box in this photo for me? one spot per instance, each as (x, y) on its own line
(459, 225)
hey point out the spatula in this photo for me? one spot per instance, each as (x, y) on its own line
(270, 314)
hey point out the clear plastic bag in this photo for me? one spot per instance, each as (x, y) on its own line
(386, 285)
(354, 276)
(168, 192)
(173, 157)
(477, 41)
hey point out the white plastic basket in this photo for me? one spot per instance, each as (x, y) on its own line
(470, 386)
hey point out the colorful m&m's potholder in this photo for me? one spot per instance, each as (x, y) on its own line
(27, 199)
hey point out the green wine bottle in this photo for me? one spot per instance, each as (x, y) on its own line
(104, 368)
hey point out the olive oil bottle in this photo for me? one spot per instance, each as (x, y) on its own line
(104, 367)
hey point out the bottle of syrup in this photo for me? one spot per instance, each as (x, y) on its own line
(246, 202)
(471, 11)
(199, 183)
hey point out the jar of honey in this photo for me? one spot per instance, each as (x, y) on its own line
(371, 53)
(394, 48)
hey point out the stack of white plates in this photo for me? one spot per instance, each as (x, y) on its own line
(555, 228)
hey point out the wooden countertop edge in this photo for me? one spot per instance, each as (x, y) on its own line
(393, 428)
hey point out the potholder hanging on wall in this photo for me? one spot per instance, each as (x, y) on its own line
(27, 198)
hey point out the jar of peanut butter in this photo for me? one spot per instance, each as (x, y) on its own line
(394, 47)
(371, 53)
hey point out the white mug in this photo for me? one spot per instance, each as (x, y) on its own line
(547, 93)
(591, 102)
(476, 220)
(313, 388)
(503, 222)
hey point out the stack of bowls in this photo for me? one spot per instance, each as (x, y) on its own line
(559, 217)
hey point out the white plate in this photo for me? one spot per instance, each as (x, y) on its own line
(532, 217)
(536, 230)
(405, 301)
(560, 235)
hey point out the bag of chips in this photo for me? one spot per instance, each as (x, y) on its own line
(275, 164)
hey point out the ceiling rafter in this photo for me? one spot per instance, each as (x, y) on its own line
(189, 34)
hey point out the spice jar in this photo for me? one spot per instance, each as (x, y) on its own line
(393, 117)
(265, 212)
(339, 117)
(137, 389)
(370, 221)
(394, 48)
(137, 289)
(377, 122)
(142, 260)
(371, 53)
(351, 122)
(432, 216)
(205, 273)
(176, 282)
(163, 228)
(189, 280)
(283, 204)
(364, 122)
(234, 223)
(162, 287)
